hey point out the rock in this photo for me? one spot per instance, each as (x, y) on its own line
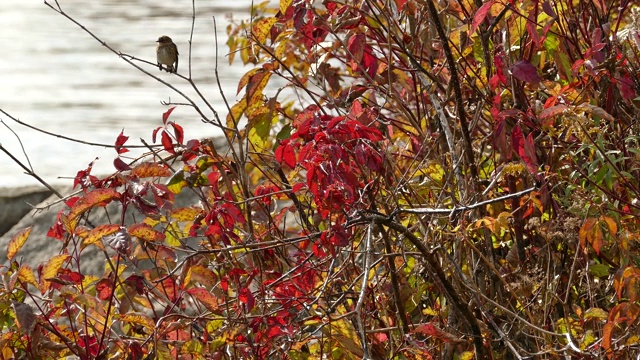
(15, 203)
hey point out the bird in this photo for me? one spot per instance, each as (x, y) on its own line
(167, 53)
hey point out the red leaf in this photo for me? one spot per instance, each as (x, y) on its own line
(339, 236)
(480, 15)
(120, 165)
(165, 116)
(120, 141)
(68, 277)
(356, 46)
(247, 298)
(524, 71)
(369, 62)
(136, 282)
(83, 175)
(529, 155)
(532, 28)
(517, 140)
(363, 58)
(285, 154)
(155, 134)
(167, 143)
(179, 132)
(91, 343)
(56, 231)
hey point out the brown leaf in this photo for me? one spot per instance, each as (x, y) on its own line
(25, 317)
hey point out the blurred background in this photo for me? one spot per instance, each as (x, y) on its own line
(56, 77)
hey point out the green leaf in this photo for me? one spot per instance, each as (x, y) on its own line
(599, 270)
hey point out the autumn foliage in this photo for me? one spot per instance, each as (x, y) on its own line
(402, 180)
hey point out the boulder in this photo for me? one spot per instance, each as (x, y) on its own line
(15, 203)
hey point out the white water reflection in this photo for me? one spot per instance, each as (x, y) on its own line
(56, 77)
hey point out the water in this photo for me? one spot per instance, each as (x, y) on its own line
(56, 77)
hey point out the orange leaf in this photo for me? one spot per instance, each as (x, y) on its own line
(205, 297)
(98, 197)
(244, 80)
(16, 242)
(201, 274)
(81, 231)
(148, 169)
(98, 233)
(256, 84)
(610, 223)
(591, 233)
(145, 232)
(552, 111)
(606, 336)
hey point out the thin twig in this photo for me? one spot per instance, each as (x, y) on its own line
(458, 209)
(69, 138)
(363, 291)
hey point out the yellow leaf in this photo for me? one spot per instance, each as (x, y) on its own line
(138, 319)
(262, 28)
(173, 234)
(16, 243)
(467, 355)
(144, 232)
(284, 5)
(595, 313)
(25, 275)
(50, 270)
(186, 213)
(345, 334)
(236, 113)
(201, 274)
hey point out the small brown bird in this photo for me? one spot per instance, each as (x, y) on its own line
(167, 53)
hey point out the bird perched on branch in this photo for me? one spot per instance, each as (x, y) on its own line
(167, 53)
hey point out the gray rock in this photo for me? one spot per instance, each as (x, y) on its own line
(15, 203)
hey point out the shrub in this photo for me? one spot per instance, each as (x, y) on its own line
(433, 180)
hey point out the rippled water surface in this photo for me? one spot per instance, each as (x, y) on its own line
(56, 77)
